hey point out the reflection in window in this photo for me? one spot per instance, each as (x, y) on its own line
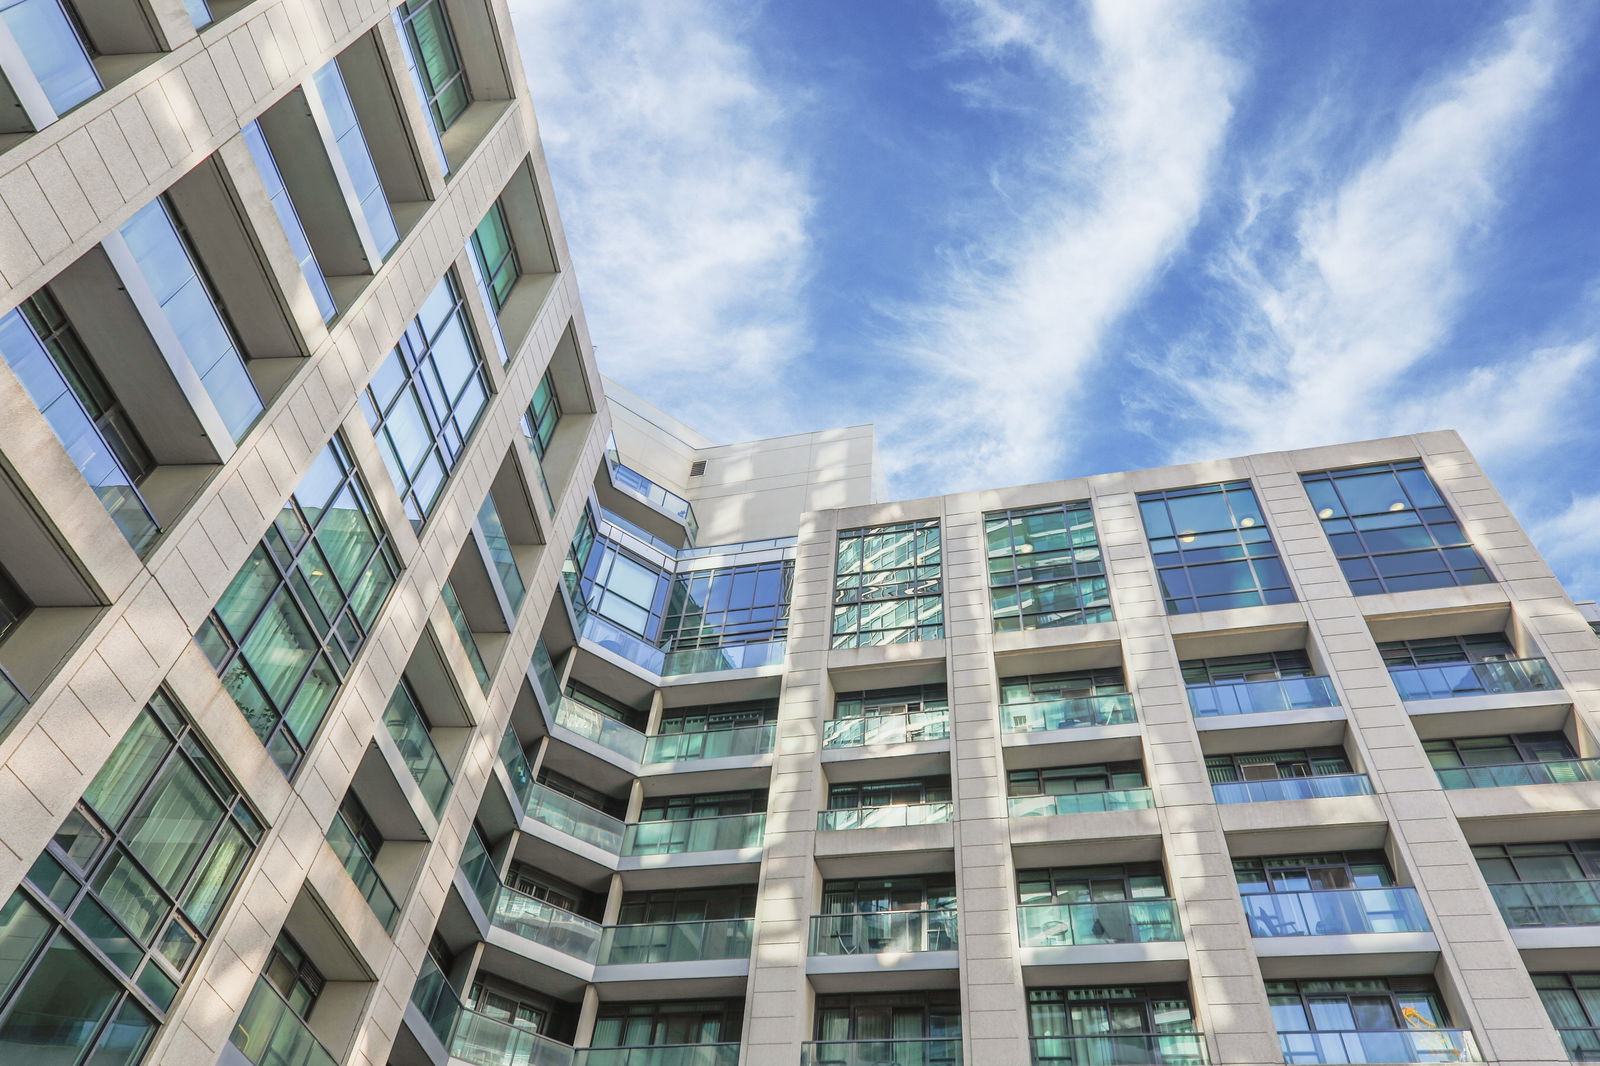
(140, 871)
(500, 554)
(496, 255)
(288, 218)
(728, 605)
(1391, 529)
(1212, 548)
(48, 37)
(887, 586)
(425, 399)
(356, 157)
(435, 65)
(1066, 1022)
(284, 633)
(162, 250)
(1045, 567)
(44, 351)
(677, 1021)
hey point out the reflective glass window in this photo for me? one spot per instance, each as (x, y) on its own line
(1045, 567)
(288, 218)
(356, 157)
(1212, 548)
(728, 605)
(497, 256)
(888, 586)
(56, 50)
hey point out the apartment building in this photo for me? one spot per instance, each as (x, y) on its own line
(378, 685)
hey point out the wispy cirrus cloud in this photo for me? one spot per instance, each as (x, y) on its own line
(1132, 103)
(682, 196)
(1337, 293)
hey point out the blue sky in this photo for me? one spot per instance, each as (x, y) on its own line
(1033, 240)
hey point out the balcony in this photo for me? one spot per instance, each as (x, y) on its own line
(411, 736)
(1113, 708)
(632, 483)
(674, 836)
(549, 807)
(476, 1038)
(535, 920)
(269, 1033)
(1134, 921)
(875, 932)
(1500, 677)
(1335, 911)
(889, 816)
(1121, 1049)
(1255, 697)
(603, 730)
(1291, 788)
(1583, 1045)
(936, 1052)
(661, 1055)
(1541, 904)
(1498, 775)
(711, 744)
(724, 657)
(727, 938)
(906, 727)
(1379, 1045)
(356, 863)
(1116, 799)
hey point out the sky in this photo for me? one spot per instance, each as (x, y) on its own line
(1037, 240)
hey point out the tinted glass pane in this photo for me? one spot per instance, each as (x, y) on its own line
(61, 1005)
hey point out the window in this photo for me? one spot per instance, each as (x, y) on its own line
(1045, 568)
(288, 217)
(354, 158)
(1559, 860)
(425, 399)
(285, 631)
(602, 704)
(889, 793)
(49, 37)
(1276, 765)
(891, 1016)
(161, 249)
(294, 976)
(714, 1021)
(1237, 669)
(1075, 780)
(1073, 1025)
(1391, 529)
(707, 805)
(435, 63)
(539, 884)
(718, 717)
(514, 1010)
(687, 905)
(873, 895)
(1478, 648)
(539, 424)
(1068, 700)
(1500, 751)
(589, 797)
(45, 353)
(1327, 872)
(113, 914)
(887, 588)
(1212, 548)
(1374, 1004)
(1572, 1000)
(623, 589)
(500, 554)
(463, 628)
(496, 256)
(14, 606)
(1086, 884)
(728, 605)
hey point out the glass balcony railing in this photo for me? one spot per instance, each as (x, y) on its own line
(674, 836)
(660, 1055)
(1113, 708)
(874, 932)
(1120, 1049)
(603, 730)
(534, 919)
(907, 727)
(551, 808)
(1583, 1045)
(516, 763)
(1291, 788)
(484, 1041)
(269, 1033)
(463, 628)
(411, 736)
(887, 816)
(1126, 921)
(1540, 904)
(356, 863)
(438, 1002)
(1379, 1045)
(710, 744)
(627, 480)
(726, 657)
(1252, 697)
(1496, 678)
(619, 641)
(726, 938)
(935, 1052)
(1345, 910)
(477, 866)
(1499, 775)
(1116, 799)
(544, 671)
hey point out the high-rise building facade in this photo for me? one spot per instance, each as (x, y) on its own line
(380, 686)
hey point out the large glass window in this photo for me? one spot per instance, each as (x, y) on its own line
(496, 255)
(500, 554)
(1572, 1000)
(1118, 1024)
(351, 144)
(1075, 780)
(288, 218)
(1045, 567)
(96, 942)
(284, 633)
(425, 29)
(161, 248)
(1391, 529)
(624, 589)
(1212, 548)
(887, 586)
(543, 413)
(728, 605)
(44, 351)
(56, 49)
(1374, 1004)
(426, 398)
(933, 1015)
(1325, 872)
(679, 1021)
(1277, 765)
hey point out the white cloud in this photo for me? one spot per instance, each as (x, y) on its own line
(1367, 279)
(683, 202)
(1570, 541)
(1134, 107)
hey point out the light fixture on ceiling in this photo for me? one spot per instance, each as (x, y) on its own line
(1326, 512)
